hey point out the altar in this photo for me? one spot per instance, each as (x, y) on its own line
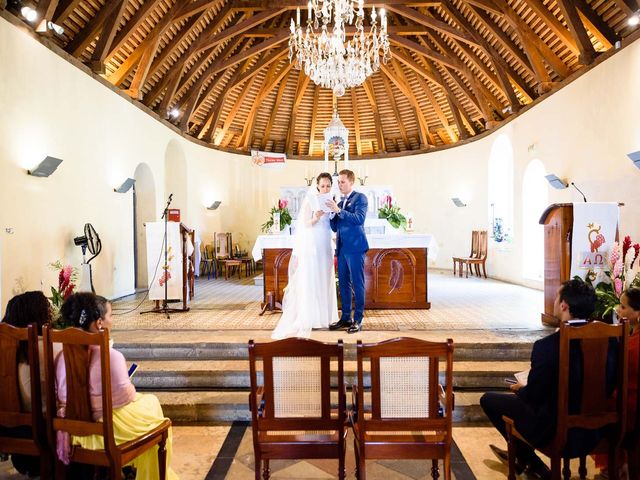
(395, 269)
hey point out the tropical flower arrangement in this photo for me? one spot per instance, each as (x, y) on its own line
(619, 276)
(391, 212)
(67, 278)
(283, 211)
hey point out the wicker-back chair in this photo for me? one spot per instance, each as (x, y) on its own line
(291, 410)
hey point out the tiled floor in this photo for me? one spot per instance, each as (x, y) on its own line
(226, 452)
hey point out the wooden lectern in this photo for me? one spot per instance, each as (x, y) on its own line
(558, 222)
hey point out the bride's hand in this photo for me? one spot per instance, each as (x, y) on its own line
(318, 215)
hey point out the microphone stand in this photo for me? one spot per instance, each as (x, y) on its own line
(583, 197)
(165, 303)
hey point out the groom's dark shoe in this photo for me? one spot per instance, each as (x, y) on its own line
(340, 325)
(355, 327)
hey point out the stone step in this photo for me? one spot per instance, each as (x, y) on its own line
(496, 351)
(226, 374)
(213, 407)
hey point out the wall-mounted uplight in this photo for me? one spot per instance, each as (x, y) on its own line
(46, 167)
(214, 205)
(126, 186)
(173, 113)
(635, 158)
(634, 19)
(458, 203)
(556, 182)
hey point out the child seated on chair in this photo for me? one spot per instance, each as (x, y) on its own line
(133, 413)
(23, 310)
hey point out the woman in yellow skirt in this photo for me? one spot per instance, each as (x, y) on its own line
(133, 413)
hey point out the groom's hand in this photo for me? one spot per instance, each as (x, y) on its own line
(333, 206)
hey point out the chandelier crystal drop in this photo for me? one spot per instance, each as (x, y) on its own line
(322, 49)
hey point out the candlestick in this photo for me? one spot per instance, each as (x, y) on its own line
(298, 16)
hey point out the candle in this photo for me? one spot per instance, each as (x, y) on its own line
(310, 12)
(383, 19)
(298, 16)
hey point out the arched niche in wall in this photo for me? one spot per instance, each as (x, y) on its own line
(145, 211)
(500, 190)
(175, 174)
(535, 198)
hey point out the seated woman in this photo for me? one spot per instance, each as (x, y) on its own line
(133, 413)
(22, 310)
(629, 308)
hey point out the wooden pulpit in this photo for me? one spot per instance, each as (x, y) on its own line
(558, 222)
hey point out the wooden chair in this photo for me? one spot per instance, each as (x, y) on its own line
(207, 261)
(596, 410)
(477, 257)
(631, 442)
(78, 418)
(411, 414)
(12, 414)
(291, 411)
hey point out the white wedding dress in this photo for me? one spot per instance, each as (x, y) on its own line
(310, 299)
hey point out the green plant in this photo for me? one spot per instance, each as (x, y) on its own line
(285, 216)
(392, 213)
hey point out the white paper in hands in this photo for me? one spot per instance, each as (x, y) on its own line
(322, 199)
(522, 377)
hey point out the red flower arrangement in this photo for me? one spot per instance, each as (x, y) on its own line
(67, 277)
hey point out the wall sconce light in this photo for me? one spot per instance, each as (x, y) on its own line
(458, 203)
(46, 167)
(29, 13)
(214, 205)
(556, 182)
(634, 19)
(126, 185)
(635, 158)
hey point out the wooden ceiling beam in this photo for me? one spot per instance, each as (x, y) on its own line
(368, 88)
(247, 132)
(232, 114)
(131, 26)
(553, 23)
(312, 133)
(528, 36)
(301, 88)
(426, 88)
(196, 7)
(579, 33)
(293, 4)
(356, 120)
(239, 28)
(82, 39)
(64, 9)
(394, 106)
(596, 25)
(177, 69)
(396, 75)
(628, 7)
(500, 65)
(432, 23)
(486, 5)
(195, 85)
(427, 52)
(274, 112)
(106, 37)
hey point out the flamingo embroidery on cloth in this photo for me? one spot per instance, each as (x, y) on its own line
(596, 239)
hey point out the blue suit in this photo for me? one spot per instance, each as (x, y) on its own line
(351, 247)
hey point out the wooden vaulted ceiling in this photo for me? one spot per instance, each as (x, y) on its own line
(457, 67)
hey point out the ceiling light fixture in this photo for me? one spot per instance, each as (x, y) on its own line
(322, 50)
(174, 112)
(30, 14)
(634, 19)
(56, 28)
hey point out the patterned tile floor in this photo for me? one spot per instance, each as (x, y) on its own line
(226, 452)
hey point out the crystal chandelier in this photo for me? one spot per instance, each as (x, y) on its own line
(323, 52)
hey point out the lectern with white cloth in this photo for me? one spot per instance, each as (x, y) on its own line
(577, 238)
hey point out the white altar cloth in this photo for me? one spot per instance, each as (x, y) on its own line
(399, 240)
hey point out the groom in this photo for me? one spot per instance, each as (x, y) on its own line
(351, 246)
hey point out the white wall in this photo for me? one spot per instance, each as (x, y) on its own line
(51, 107)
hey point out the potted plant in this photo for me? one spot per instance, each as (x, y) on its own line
(391, 212)
(278, 216)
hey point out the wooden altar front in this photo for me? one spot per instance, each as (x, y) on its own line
(395, 278)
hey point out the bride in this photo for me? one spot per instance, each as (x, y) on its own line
(310, 297)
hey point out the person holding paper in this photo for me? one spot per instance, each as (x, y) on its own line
(351, 247)
(533, 406)
(310, 299)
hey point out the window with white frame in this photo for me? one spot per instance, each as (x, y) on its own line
(500, 193)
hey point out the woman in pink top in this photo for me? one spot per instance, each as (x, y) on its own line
(133, 413)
